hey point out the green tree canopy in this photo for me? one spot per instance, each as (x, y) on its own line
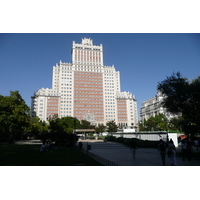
(86, 125)
(111, 126)
(100, 128)
(176, 123)
(182, 96)
(64, 124)
(14, 114)
(37, 126)
(157, 123)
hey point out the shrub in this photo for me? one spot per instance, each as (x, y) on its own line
(60, 138)
(126, 141)
(101, 137)
(111, 138)
(140, 143)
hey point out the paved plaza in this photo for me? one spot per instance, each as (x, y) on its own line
(121, 154)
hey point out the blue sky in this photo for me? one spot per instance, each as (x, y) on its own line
(143, 59)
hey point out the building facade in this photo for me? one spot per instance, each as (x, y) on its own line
(153, 107)
(45, 104)
(87, 90)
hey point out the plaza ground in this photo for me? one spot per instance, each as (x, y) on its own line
(120, 154)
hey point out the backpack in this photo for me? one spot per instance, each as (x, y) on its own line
(162, 147)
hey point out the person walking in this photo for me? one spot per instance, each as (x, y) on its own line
(43, 147)
(133, 147)
(10, 140)
(172, 152)
(196, 143)
(80, 145)
(184, 149)
(162, 150)
(189, 150)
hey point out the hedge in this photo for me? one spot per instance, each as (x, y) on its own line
(140, 143)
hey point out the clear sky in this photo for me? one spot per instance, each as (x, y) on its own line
(143, 60)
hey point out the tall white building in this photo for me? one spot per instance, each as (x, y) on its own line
(87, 90)
(153, 107)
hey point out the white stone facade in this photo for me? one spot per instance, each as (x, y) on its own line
(45, 103)
(89, 90)
(130, 108)
(153, 107)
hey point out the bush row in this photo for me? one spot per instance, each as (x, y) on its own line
(140, 143)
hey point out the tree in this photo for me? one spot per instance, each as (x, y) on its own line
(86, 125)
(142, 125)
(157, 123)
(61, 130)
(176, 123)
(100, 128)
(38, 126)
(182, 96)
(14, 115)
(111, 126)
(64, 124)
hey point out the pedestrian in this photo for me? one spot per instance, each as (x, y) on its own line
(80, 145)
(133, 147)
(184, 149)
(196, 144)
(43, 147)
(172, 153)
(162, 150)
(189, 150)
(10, 140)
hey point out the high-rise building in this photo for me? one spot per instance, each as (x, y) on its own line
(87, 90)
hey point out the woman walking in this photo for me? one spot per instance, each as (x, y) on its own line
(133, 147)
(172, 152)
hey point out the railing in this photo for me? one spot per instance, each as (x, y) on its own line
(99, 158)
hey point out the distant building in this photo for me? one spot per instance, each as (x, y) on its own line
(87, 90)
(45, 104)
(153, 107)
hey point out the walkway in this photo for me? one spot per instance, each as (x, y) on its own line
(121, 154)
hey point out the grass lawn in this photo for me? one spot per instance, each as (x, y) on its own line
(30, 155)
